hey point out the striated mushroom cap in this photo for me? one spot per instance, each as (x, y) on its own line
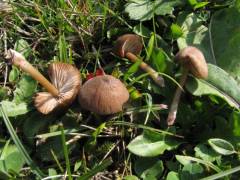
(193, 59)
(103, 95)
(66, 78)
(128, 43)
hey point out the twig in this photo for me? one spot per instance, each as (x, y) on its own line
(106, 155)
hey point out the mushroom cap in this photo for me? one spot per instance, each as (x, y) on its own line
(66, 78)
(103, 95)
(193, 59)
(128, 43)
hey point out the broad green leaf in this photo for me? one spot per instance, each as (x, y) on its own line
(33, 124)
(235, 123)
(172, 176)
(11, 159)
(14, 74)
(225, 38)
(151, 145)
(222, 146)
(193, 168)
(133, 68)
(148, 167)
(218, 83)
(52, 144)
(145, 9)
(141, 30)
(12, 109)
(25, 89)
(77, 165)
(23, 47)
(191, 171)
(195, 34)
(225, 56)
(176, 31)
(159, 60)
(172, 165)
(205, 153)
(150, 47)
(192, 2)
(237, 5)
(200, 5)
(140, 10)
(132, 177)
(185, 160)
(224, 84)
(3, 93)
(52, 172)
(35, 169)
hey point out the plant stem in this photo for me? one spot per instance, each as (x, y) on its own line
(18, 60)
(174, 106)
(154, 75)
(65, 151)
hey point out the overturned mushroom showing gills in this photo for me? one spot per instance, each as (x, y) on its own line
(192, 59)
(60, 93)
(129, 46)
(66, 78)
(103, 95)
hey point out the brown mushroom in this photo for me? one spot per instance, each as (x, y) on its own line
(103, 95)
(129, 46)
(62, 91)
(192, 59)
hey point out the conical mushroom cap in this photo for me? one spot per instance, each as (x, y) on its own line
(66, 78)
(103, 95)
(128, 43)
(194, 60)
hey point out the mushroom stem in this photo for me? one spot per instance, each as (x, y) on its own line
(18, 60)
(154, 75)
(174, 105)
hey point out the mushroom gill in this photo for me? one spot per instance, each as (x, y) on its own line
(66, 78)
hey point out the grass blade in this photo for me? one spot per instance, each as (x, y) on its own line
(122, 123)
(65, 151)
(206, 163)
(222, 174)
(19, 145)
(95, 170)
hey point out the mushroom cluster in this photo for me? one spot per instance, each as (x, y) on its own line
(104, 94)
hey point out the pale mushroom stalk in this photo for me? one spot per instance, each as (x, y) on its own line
(19, 60)
(174, 105)
(129, 46)
(145, 67)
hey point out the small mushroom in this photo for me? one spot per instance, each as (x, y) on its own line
(103, 95)
(129, 46)
(62, 91)
(192, 59)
